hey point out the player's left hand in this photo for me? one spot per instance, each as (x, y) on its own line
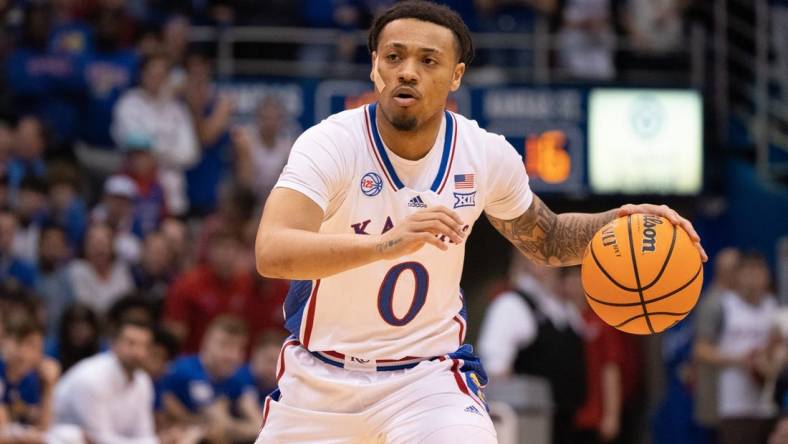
(669, 214)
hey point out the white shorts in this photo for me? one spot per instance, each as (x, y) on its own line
(438, 401)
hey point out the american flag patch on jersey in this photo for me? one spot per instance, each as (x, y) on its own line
(462, 181)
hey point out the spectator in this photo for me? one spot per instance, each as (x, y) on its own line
(130, 307)
(26, 375)
(100, 278)
(175, 42)
(740, 351)
(13, 270)
(69, 35)
(178, 240)
(155, 272)
(655, 27)
(109, 71)
(263, 362)
(212, 387)
(28, 161)
(234, 215)
(586, 39)
(117, 211)
(262, 150)
(31, 209)
(66, 206)
(44, 84)
(108, 395)
(78, 336)
(162, 353)
(523, 328)
(217, 287)
(150, 203)
(151, 113)
(211, 112)
(611, 366)
(54, 282)
(707, 329)
(6, 149)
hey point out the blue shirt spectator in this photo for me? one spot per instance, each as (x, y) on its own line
(108, 72)
(44, 83)
(211, 112)
(22, 397)
(213, 387)
(192, 385)
(26, 376)
(12, 269)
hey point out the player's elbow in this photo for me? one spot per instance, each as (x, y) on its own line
(268, 260)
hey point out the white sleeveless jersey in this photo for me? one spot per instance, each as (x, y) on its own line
(390, 312)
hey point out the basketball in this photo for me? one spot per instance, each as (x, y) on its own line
(641, 274)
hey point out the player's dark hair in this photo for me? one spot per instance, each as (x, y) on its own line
(427, 12)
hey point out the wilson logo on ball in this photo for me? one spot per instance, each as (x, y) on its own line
(650, 234)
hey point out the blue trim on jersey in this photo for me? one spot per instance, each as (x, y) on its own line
(380, 368)
(295, 304)
(381, 150)
(464, 309)
(447, 144)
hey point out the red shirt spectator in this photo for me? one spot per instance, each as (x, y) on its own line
(605, 345)
(220, 287)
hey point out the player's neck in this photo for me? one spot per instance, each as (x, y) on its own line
(410, 145)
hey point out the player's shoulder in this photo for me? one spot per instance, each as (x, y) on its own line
(338, 135)
(337, 127)
(473, 133)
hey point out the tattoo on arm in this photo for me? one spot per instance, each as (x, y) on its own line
(552, 239)
(385, 246)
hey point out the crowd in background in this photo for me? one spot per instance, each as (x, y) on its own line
(129, 199)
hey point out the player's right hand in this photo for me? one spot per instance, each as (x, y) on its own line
(423, 227)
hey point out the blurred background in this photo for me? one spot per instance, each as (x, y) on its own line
(139, 140)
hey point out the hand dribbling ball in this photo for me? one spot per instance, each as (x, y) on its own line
(641, 274)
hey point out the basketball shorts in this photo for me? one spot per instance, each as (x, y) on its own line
(327, 399)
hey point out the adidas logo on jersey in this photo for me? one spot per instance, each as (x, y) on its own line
(472, 409)
(417, 202)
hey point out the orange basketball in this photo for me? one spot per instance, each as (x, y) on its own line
(642, 274)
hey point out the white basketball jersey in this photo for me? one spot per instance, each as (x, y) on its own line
(390, 312)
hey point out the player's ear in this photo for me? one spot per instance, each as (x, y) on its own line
(374, 66)
(456, 79)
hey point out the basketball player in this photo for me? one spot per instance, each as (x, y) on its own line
(369, 219)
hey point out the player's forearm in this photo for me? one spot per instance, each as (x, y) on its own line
(299, 254)
(552, 239)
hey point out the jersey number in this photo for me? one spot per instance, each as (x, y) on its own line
(386, 293)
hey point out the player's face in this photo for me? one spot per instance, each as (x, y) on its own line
(414, 69)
